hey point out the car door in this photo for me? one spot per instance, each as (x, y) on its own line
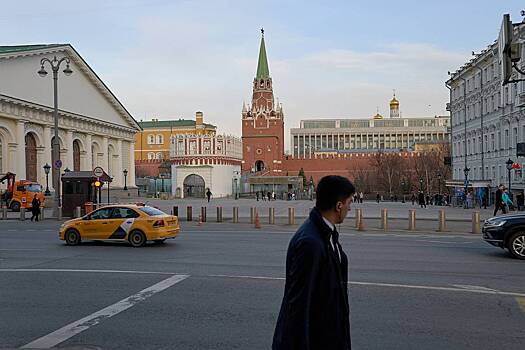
(96, 225)
(121, 221)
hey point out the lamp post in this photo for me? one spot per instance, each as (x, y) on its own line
(47, 167)
(55, 66)
(466, 171)
(403, 189)
(235, 188)
(125, 172)
(509, 164)
(161, 175)
(421, 184)
(439, 187)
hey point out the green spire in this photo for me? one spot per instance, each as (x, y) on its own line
(263, 72)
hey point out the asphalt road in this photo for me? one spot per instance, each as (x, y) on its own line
(219, 286)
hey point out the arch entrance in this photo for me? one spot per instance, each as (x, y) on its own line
(259, 165)
(194, 186)
(31, 157)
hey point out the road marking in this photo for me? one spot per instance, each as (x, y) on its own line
(72, 329)
(91, 271)
(15, 249)
(468, 286)
(480, 290)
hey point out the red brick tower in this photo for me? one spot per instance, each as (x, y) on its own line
(262, 124)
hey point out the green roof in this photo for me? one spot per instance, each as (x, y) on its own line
(21, 48)
(181, 123)
(263, 72)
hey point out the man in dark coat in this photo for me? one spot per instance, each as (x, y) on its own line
(35, 208)
(498, 202)
(315, 312)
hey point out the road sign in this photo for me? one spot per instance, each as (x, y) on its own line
(98, 171)
(58, 164)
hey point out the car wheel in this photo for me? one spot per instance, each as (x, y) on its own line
(137, 238)
(72, 237)
(15, 206)
(160, 241)
(517, 245)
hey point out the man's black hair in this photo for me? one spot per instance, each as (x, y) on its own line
(332, 189)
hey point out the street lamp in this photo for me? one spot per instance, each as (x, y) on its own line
(421, 184)
(509, 163)
(235, 188)
(466, 171)
(403, 189)
(125, 171)
(47, 167)
(55, 66)
(66, 170)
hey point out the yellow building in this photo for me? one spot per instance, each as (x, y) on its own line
(154, 140)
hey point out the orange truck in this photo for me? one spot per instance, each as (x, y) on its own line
(20, 194)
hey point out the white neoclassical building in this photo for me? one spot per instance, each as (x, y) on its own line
(94, 127)
(488, 121)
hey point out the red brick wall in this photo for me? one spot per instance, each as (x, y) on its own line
(147, 168)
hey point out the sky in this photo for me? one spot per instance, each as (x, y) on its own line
(328, 59)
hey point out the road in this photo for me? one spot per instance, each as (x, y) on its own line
(219, 286)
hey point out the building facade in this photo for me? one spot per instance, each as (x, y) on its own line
(488, 120)
(153, 142)
(314, 137)
(201, 162)
(94, 127)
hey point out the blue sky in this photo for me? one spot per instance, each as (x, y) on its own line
(327, 59)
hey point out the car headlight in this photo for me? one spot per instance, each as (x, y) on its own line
(498, 223)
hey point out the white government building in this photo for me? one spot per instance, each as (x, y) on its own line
(488, 120)
(317, 136)
(94, 127)
(200, 162)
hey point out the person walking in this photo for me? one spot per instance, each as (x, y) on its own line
(315, 312)
(413, 198)
(208, 195)
(35, 208)
(498, 201)
(506, 199)
(421, 199)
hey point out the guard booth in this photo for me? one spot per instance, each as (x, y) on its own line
(78, 188)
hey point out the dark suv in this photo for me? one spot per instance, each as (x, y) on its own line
(506, 231)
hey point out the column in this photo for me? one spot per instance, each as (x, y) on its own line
(20, 165)
(88, 164)
(46, 156)
(68, 163)
(131, 165)
(105, 154)
(119, 176)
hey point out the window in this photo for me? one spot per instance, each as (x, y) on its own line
(507, 143)
(103, 213)
(124, 213)
(151, 155)
(492, 142)
(159, 155)
(160, 139)
(151, 140)
(151, 211)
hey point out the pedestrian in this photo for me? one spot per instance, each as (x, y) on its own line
(421, 199)
(498, 201)
(208, 195)
(257, 195)
(361, 197)
(506, 199)
(269, 195)
(314, 312)
(273, 195)
(413, 198)
(378, 197)
(35, 208)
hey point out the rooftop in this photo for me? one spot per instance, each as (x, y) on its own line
(21, 48)
(165, 124)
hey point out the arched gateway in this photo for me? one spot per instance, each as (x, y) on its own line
(194, 186)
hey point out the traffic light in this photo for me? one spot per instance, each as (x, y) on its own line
(98, 184)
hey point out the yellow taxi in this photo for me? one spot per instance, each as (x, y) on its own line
(133, 223)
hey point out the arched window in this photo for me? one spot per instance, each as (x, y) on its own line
(1, 155)
(159, 155)
(151, 155)
(160, 139)
(151, 139)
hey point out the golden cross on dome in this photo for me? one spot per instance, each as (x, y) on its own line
(262, 31)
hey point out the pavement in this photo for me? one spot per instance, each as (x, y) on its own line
(219, 286)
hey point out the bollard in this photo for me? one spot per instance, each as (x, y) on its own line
(271, 216)
(59, 213)
(4, 213)
(252, 215)
(291, 216)
(22, 214)
(42, 215)
(189, 213)
(203, 214)
(219, 214)
(442, 221)
(358, 217)
(235, 218)
(412, 219)
(384, 219)
(475, 222)
(78, 212)
(175, 210)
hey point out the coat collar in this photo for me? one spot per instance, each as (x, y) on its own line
(317, 219)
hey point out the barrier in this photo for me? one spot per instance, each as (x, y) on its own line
(252, 215)
(412, 219)
(189, 213)
(219, 214)
(384, 219)
(4, 213)
(271, 216)
(42, 214)
(291, 216)
(203, 214)
(475, 223)
(59, 213)
(235, 218)
(358, 217)
(22, 214)
(442, 221)
(78, 212)
(175, 210)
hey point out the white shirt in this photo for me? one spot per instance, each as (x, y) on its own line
(332, 227)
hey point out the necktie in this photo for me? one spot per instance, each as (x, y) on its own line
(335, 240)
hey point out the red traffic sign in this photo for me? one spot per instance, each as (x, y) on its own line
(516, 166)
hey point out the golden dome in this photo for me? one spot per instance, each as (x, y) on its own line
(378, 116)
(394, 102)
